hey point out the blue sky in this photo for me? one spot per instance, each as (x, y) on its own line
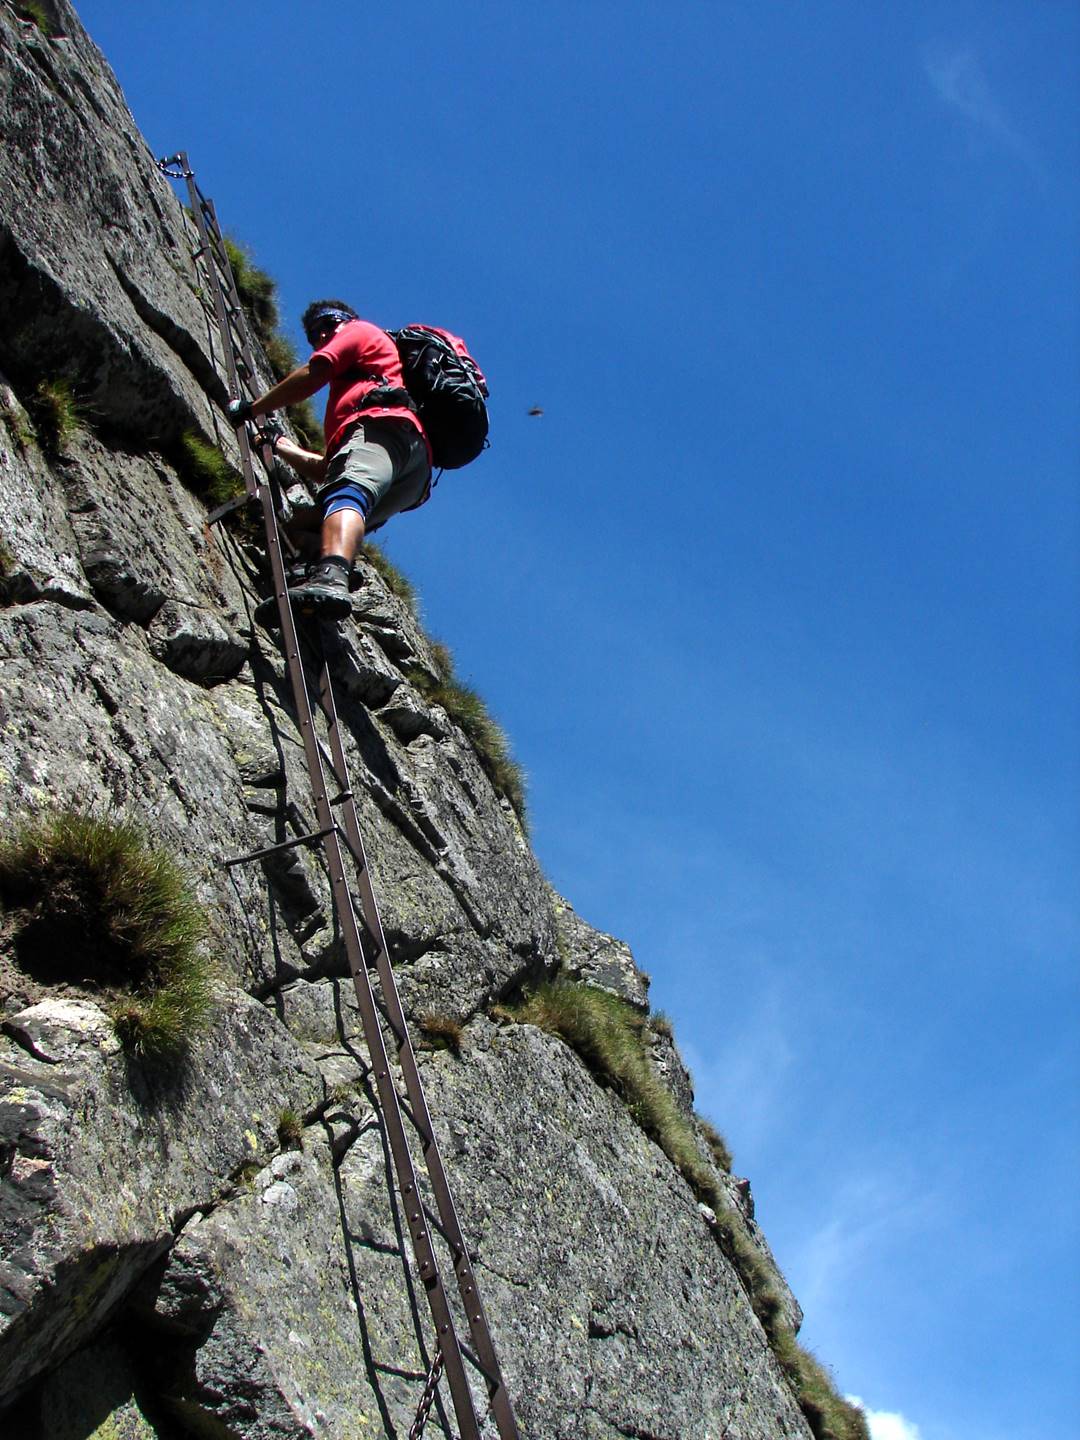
(778, 599)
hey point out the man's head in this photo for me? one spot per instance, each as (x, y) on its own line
(322, 318)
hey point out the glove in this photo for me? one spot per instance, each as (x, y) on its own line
(268, 431)
(238, 411)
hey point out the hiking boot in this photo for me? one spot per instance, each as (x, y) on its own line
(266, 612)
(324, 595)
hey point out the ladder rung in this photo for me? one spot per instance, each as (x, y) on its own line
(436, 1224)
(394, 1028)
(284, 845)
(426, 1140)
(227, 509)
(474, 1360)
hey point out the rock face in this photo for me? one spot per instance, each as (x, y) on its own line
(216, 1252)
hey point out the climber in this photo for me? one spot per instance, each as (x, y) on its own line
(377, 460)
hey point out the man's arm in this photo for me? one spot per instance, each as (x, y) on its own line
(299, 385)
(305, 462)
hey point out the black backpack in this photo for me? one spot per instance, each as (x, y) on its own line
(448, 389)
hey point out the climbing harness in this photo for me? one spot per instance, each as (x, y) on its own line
(338, 831)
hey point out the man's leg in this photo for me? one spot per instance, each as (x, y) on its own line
(357, 475)
(325, 591)
(374, 473)
(342, 534)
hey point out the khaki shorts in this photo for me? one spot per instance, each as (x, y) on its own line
(384, 459)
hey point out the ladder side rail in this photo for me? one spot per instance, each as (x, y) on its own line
(406, 1175)
(240, 331)
(199, 207)
(450, 1225)
(236, 319)
(423, 1249)
(203, 259)
(235, 334)
(408, 1187)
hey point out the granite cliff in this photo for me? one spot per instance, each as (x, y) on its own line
(177, 1259)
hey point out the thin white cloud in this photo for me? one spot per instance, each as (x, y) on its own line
(887, 1424)
(960, 81)
(744, 1083)
(871, 1207)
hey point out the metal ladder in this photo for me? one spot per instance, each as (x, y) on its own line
(365, 943)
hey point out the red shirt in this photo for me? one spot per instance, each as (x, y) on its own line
(361, 358)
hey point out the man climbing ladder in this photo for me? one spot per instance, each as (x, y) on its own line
(377, 460)
(427, 1206)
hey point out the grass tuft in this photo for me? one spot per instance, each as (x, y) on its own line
(661, 1024)
(829, 1415)
(442, 1032)
(258, 295)
(397, 583)
(34, 13)
(208, 472)
(8, 566)
(100, 908)
(347, 1092)
(461, 702)
(717, 1145)
(468, 711)
(610, 1036)
(290, 1130)
(55, 414)
(442, 658)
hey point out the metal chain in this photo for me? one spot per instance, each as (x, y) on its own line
(172, 168)
(428, 1397)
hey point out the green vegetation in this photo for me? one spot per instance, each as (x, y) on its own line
(8, 565)
(208, 472)
(461, 702)
(290, 1130)
(612, 1039)
(830, 1416)
(244, 1178)
(343, 1093)
(257, 290)
(717, 1145)
(30, 11)
(97, 908)
(468, 711)
(397, 583)
(55, 414)
(258, 295)
(19, 428)
(441, 1032)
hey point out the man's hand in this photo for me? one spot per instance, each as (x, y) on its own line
(239, 412)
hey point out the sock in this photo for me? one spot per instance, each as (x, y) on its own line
(338, 560)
